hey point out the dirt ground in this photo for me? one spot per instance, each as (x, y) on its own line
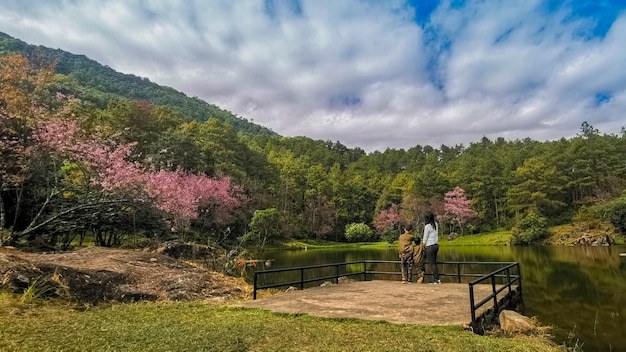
(392, 301)
(94, 275)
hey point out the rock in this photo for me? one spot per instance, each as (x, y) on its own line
(23, 279)
(453, 236)
(326, 283)
(291, 288)
(344, 280)
(512, 322)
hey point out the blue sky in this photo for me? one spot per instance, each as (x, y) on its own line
(370, 74)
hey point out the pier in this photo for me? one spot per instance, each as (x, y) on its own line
(467, 296)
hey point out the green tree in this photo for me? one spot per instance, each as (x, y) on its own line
(536, 189)
(264, 227)
(529, 229)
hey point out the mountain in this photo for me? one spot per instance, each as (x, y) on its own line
(100, 84)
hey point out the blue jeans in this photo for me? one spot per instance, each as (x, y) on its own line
(431, 257)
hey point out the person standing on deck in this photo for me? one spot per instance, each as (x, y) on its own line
(405, 252)
(418, 259)
(431, 242)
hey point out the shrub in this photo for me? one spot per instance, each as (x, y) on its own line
(529, 229)
(618, 217)
(589, 217)
(358, 232)
(389, 234)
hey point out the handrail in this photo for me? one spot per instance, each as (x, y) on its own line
(365, 272)
(510, 280)
(503, 272)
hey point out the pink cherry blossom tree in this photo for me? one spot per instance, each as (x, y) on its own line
(189, 197)
(388, 223)
(388, 218)
(109, 165)
(458, 209)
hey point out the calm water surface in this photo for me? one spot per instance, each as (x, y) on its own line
(581, 291)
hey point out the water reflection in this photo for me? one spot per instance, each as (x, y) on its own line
(579, 290)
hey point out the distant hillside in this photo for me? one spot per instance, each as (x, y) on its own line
(101, 83)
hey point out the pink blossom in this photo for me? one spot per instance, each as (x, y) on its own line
(183, 196)
(457, 208)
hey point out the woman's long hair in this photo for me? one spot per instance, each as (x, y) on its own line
(430, 219)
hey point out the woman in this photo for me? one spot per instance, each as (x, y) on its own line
(431, 241)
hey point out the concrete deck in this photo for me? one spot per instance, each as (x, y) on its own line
(392, 301)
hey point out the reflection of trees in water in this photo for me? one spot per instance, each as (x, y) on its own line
(577, 287)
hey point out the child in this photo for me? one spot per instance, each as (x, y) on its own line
(418, 260)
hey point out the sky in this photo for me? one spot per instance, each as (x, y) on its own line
(372, 74)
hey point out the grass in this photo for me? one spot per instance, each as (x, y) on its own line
(500, 238)
(49, 326)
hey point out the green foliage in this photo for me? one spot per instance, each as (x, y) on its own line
(593, 217)
(389, 234)
(529, 229)
(35, 291)
(264, 225)
(590, 217)
(101, 84)
(317, 187)
(617, 214)
(359, 232)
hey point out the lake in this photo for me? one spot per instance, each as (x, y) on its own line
(580, 291)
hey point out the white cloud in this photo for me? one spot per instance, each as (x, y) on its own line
(363, 73)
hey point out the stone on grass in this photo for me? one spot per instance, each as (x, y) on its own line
(512, 323)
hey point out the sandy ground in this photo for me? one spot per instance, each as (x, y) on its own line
(392, 301)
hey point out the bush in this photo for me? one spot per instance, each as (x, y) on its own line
(618, 217)
(389, 234)
(359, 232)
(530, 229)
(589, 217)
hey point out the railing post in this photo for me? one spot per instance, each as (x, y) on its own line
(254, 292)
(458, 271)
(364, 270)
(493, 292)
(472, 305)
(519, 274)
(508, 278)
(301, 278)
(337, 274)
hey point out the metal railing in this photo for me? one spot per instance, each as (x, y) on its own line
(364, 268)
(509, 279)
(503, 278)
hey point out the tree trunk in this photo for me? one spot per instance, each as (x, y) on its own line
(3, 220)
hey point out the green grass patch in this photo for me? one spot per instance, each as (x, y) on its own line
(499, 238)
(205, 327)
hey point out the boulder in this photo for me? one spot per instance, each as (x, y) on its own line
(453, 236)
(512, 323)
(344, 280)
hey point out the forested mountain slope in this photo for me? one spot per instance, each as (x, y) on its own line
(101, 84)
(91, 151)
